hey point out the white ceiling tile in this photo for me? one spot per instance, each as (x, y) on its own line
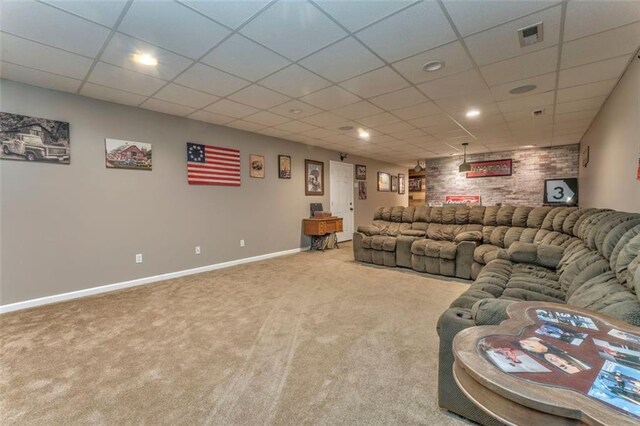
(414, 135)
(566, 139)
(210, 80)
(231, 108)
(272, 131)
(210, 117)
(399, 99)
(416, 111)
(259, 97)
(266, 118)
(580, 105)
(502, 42)
(111, 95)
(245, 125)
(476, 99)
(575, 126)
(608, 44)
(566, 132)
(453, 85)
(357, 14)
(379, 119)
(575, 116)
(453, 55)
(130, 81)
(395, 128)
(121, 50)
(526, 115)
(473, 16)
(293, 28)
(38, 78)
(603, 70)
(527, 102)
(184, 96)
(589, 17)
(102, 12)
(342, 60)
(373, 83)
(324, 119)
(330, 98)
(172, 26)
(242, 57)
(295, 127)
(286, 109)
(34, 55)
(590, 90)
(294, 81)
(415, 29)
(43, 23)
(440, 127)
(357, 110)
(543, 83)
(518, 68)
(167, 107)
(230, 13)
(432, 120)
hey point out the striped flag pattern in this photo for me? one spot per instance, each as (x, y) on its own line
(212, 165)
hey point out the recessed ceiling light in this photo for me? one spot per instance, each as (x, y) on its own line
(472, 113)
(145, 59)
(433, 66)
(363, 134)
(345, 128)
(295, 110)
(523, 89)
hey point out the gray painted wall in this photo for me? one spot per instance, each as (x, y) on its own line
(530, 167)
(609, 180)
(71, 227)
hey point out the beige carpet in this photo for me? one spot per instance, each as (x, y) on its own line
(312, 338)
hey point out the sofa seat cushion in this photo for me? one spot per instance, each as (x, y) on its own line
(366, 242)
(383, 243)
(482, 250)
(431, 248)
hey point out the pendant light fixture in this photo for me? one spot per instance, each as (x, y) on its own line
(418, 167)
(465, 167)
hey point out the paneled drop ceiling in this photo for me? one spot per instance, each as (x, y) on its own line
(301, 70)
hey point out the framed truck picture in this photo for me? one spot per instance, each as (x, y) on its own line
(33, 139)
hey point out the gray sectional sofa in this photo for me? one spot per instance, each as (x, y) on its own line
(588, 258)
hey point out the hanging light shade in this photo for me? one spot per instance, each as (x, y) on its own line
(418, 167)
(465, 167)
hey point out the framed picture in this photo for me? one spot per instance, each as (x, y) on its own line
(256, 166)
(384, 182)
(415, 184)
(585, 156)
(361, 172)
(25, 138)
(490, 168)
(362, 190)
(121, 154)
(394, 183)
(314, 177)
(284, 166)
(401, 183)
(469, 200)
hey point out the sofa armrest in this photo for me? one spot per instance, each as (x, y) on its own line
(413, 233)
(539, 254)
(369, 230)
(490, 311)
(468, 236)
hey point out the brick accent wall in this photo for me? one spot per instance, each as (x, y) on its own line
(525, 186)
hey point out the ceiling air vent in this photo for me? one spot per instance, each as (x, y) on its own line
(537, 112)
(530, 35)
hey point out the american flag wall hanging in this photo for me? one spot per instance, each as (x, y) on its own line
(212, 165)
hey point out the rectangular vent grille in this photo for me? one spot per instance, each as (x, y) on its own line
(530, 35)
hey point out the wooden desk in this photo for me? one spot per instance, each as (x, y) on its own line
(322, 229)
(594, 387)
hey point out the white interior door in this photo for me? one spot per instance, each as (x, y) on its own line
(341, 196)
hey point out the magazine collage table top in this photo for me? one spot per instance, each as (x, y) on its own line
(558, 360)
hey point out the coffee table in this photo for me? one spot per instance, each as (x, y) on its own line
(552, 364)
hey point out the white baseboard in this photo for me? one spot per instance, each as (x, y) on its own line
(140, 281)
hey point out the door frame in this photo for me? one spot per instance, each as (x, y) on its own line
(332, 193)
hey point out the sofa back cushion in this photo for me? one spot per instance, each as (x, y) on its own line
(422, 214)
(536, 217)
(407, 214)
(520, 216)
(627, 254)
(505, 215)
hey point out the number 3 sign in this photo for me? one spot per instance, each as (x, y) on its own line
(561, 191)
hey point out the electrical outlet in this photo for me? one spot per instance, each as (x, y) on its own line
(139, 258)
(241, 243)
(197, 249)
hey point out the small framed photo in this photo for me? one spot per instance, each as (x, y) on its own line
(384, 182)
(394, 183)
(401, 184)
(256, 166)
(314, 177)
(415, 183)
(127, 154)
(361, 172)
(284, 166)
(362, 190)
